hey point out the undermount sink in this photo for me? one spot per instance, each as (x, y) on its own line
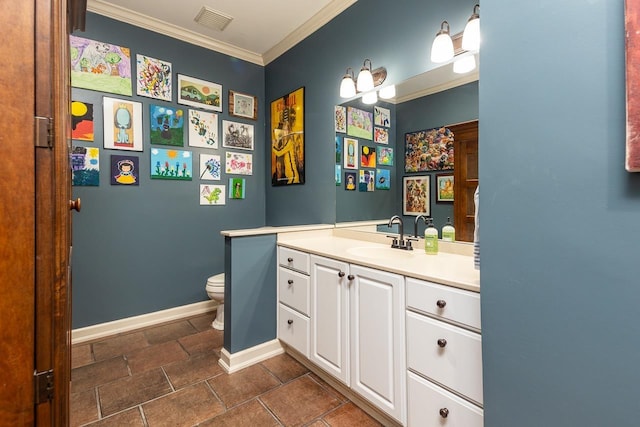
(379, 252)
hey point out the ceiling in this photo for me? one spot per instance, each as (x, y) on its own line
(259, 31)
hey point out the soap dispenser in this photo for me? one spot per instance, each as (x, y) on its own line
(448, 232)
(431, 239)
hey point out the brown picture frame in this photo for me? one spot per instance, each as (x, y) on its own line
(243, 105)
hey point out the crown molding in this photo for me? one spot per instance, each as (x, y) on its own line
(326, 14)
(466, 78)
(134, 18)
(128, 16)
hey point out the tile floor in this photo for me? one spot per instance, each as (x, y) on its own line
(169, 375)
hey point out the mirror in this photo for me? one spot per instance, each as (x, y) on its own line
(432, 99)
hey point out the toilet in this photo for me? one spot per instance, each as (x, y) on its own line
(215, 290)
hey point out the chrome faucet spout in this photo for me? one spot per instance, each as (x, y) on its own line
(393, 220)
(415, 224)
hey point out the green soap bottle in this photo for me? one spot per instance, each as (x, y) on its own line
(431, 239)
(448, 232)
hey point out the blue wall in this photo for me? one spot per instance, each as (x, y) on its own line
(560, 217)
(140, 249)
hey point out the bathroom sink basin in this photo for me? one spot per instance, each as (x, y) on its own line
(379, 252)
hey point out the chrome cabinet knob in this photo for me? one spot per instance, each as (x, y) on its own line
(442, 343)
(444, 412)
(441, 303)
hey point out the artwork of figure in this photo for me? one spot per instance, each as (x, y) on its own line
(124, 170)
(287, 139)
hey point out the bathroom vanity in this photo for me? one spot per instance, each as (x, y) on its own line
(400, 329)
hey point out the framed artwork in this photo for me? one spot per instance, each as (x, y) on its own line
(237, 188)
(367, 180)
(85, 166)
(210, 167)
(367, 156)
(359, 123)
(338, 150)
(444, 188)
(338, 175)
(340, 118)
(199, 93)
(381, 116)
(632, 77)
(122, 124)
(380, 135)
(81, 121)
(212, 195)
(415, 195)
(287, 139)
(125, 170)
(167, 125)
(203, 129)
(242, 105)
(385, 156)
(350, 153)
(171, 164)
(383, 179)
(153, 78)
(100, 66)
(237, 135)
(238, 163)
(350, 181)
(428, 150)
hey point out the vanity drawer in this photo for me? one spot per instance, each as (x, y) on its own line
(293, 289)
(294, 259)
(431, 405)
(293, 329)
(444, 302)
(447, 354)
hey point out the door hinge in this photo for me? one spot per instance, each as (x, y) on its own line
(43, 386)
(43, 132)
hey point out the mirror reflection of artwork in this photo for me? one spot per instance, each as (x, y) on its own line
(367, 156)
(350, 153)
(81, 121)
(383, 179)
(359, 123)
(341, 119)
(237, 188)
(125, 170)
(415, 195)
(167, 125)
(367, 180)
(122, 124)
(338, 150)
(153, 78)
(444, 183)
(381, 116)
(381, 135)
(287, 139)
(85, 166)
(338, 175)
(428, 150)
(100, 66)
(350, 181)
(210, 167)
(171, 164)
(212, 195)
(385, 156)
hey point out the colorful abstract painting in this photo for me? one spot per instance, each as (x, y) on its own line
(380, 135)
(383, 179)
(171, 164)
(381, 116)
(359, 123)
(203, 129)
(85, 166)
(237, 188)
(199, 93)
(153, 78)
(125, 170)
(385, 156)
(341, 119)
(210, 167)
(367, 180)
(212, 195)
(81, 121)
(237, 135)
(367, 156)
(100, 66)
(167, 125)
(428, 150)
(122, 124)
(238, 163)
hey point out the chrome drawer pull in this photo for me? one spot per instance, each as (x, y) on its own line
(444, 412)
(442, 343)
(441, 303)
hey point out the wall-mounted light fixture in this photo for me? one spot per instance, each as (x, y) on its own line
(443, 49)
(366, 83)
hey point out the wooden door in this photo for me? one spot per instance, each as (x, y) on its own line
(465, 178)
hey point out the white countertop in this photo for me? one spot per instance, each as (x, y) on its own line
(448, 268)
(274, 230)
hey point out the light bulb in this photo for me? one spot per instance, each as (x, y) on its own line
(370, 97)
(464, 64)
(471, 34)
(442, 47)
(347, 87)
(365, 78)
(387, 92)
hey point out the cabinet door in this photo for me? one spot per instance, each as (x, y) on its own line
(377, 339)
(330, 316)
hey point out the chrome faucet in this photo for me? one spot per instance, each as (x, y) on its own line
(415, 224)
(399, 243)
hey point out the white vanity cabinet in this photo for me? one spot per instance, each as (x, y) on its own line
(357, 330)
(444, 355)
(294, 299)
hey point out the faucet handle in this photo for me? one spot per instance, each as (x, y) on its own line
(394, 243)
(410, 239)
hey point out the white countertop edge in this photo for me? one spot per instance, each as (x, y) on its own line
(274, 230)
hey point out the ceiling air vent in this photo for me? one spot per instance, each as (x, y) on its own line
(212, 19)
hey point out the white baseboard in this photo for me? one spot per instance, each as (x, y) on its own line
(243, 359)
(90, 333)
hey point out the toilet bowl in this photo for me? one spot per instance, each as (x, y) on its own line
(215, 290)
